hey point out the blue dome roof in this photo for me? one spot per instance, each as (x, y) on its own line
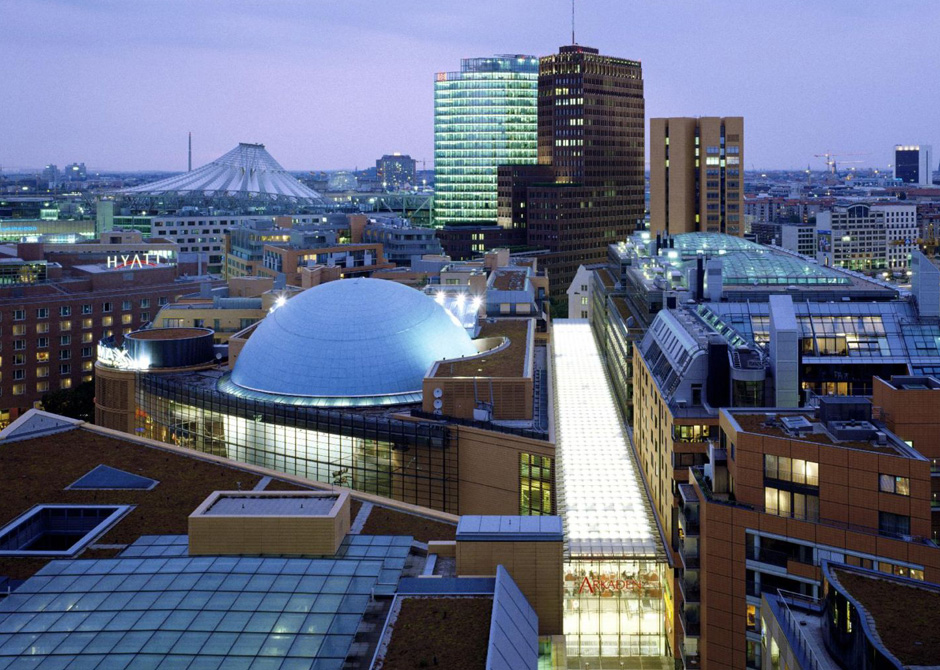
(355, 341)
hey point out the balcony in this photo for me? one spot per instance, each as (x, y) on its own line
(688, 552)
(772, 556)
(690, 588)
(689, 660)
(690, 620)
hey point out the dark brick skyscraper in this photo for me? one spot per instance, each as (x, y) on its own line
(591, 132)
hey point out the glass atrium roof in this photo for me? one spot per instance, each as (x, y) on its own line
(746, 263)
(601, 497)
(889, 331)
(203, 612)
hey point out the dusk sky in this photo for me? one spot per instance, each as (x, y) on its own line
(327, 85)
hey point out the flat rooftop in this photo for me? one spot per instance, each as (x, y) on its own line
(757, 423)
(509, 279)
(267, 505)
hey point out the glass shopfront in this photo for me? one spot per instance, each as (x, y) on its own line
(615, 609)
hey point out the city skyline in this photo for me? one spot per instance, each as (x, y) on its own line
(331, 87)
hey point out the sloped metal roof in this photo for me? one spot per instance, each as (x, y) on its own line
(106, 477)
(247, 171)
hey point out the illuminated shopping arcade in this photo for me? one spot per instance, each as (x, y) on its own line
(617, 603)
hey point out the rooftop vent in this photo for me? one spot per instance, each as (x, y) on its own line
(796, 424)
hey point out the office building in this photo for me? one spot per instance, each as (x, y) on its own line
(484, 117)
(913, 164)
(228, 309)
(75, 172)
(396, 172)
(696, 175)
(867, 237)
(169, 559)
(591, 135)
(800, 238)
(50, 175)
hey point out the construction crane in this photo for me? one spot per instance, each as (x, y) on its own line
(831, 160)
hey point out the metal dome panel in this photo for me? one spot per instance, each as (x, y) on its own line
(358, 341)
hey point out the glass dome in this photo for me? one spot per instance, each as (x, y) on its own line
(349, 342)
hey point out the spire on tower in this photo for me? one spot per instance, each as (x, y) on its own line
(190, 151)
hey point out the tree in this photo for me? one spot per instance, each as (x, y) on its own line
(76, 403)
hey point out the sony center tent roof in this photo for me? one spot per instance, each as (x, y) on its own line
(248, 171)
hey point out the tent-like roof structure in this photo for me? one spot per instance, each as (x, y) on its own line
(246, 172)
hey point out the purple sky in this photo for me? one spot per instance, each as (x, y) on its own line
(118, 83)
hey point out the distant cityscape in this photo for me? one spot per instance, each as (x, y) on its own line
(586, 391)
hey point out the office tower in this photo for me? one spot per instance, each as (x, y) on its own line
(695, 175)
(867, 237)
(75, 172)
(591, 132)
(395, 172)
(484, 116)
(913, 164)
(50, 174)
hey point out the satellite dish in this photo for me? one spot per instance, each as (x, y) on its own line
(438, 392)
(438, 404)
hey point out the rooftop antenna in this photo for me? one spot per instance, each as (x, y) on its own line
(190, 151)
(572, 23)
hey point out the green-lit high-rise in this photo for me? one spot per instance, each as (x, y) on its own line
(485, 115)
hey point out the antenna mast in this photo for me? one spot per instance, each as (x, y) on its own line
(190, 151)
(572, 23)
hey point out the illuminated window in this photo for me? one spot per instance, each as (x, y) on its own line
(66, 383)
(65, 325)
(86, 323)
(893, 484)
(127, 318)
(42, 328)
(88, 366)
(19, 389)
(42, 371)
(42, 387)
(107, 320)
(87, 378)
(87, 337)
(536, 479)
(19, 330)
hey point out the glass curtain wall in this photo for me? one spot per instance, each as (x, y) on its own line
(485, 116)
(407, 461)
